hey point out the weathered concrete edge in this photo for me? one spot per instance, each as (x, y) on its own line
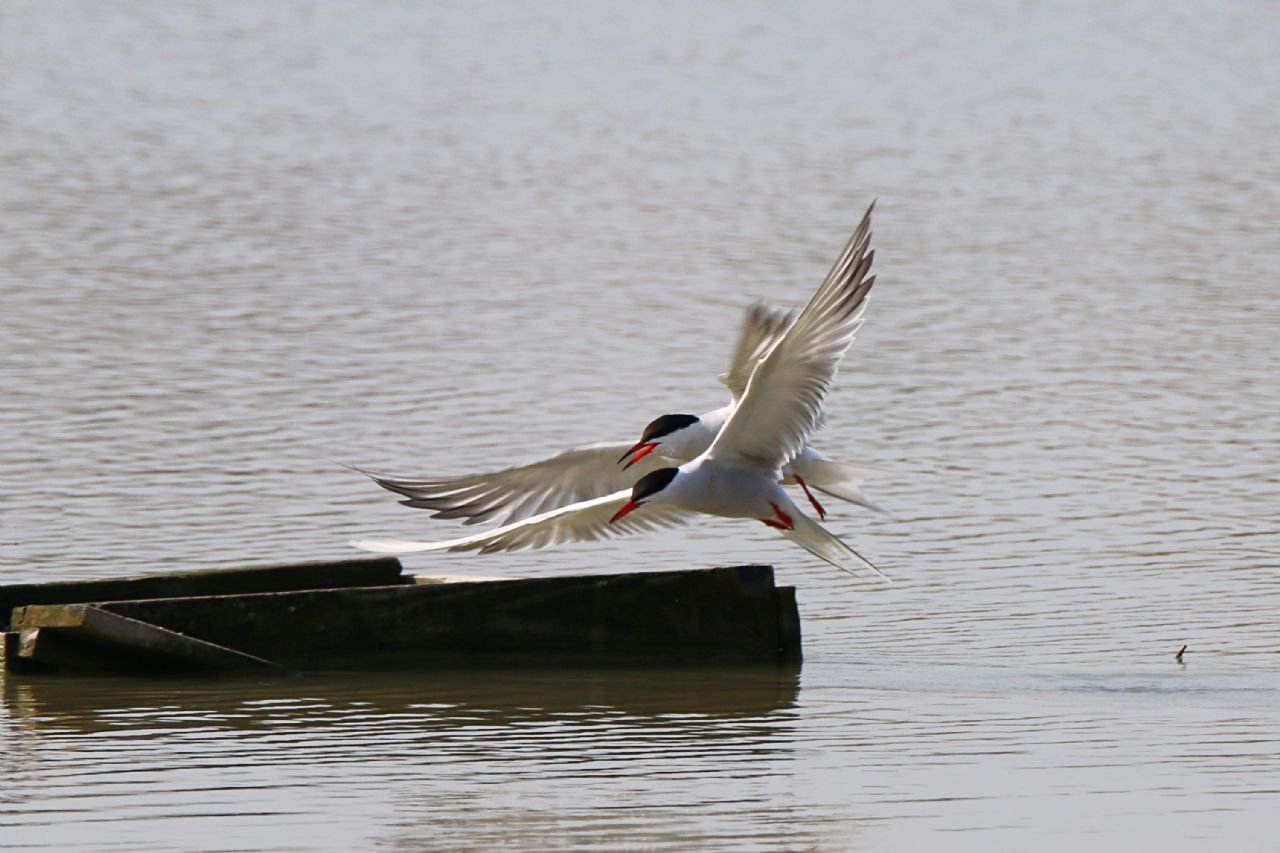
(132, 637)
(330, 574)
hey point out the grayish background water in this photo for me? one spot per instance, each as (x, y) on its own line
(243, 243)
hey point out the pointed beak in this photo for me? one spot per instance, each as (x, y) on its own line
(641, 450)
(626, 508)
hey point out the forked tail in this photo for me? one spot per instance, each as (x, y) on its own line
(825, 545)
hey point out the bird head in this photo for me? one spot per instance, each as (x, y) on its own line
(651, 487)
(665, 429)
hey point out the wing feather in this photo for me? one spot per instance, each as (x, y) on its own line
(782, 404)
(523, 491)
(580, 522)
(761, 329)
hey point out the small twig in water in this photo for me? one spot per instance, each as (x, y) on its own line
(1178, 656)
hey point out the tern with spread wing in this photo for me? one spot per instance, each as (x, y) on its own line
(739, 474)
(594, 470)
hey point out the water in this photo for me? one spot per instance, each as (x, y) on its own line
(245, 243)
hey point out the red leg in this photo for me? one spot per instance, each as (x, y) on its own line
(776, 525)
(784, 521)
(822, 513)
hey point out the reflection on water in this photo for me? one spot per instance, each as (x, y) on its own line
(666, 760)
(243, 243)
(491, 697)
(413, 752)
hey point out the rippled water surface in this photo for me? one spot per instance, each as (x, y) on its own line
(241, 244)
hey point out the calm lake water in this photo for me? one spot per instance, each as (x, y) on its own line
(243, 243)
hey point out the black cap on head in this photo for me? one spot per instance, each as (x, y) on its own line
(653, 482)
(666, 425)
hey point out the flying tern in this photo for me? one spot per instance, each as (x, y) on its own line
(739, 474)
(593, 470)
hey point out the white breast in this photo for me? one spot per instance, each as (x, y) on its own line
(727, 490)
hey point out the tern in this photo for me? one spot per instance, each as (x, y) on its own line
(739, 474)
(593, 470)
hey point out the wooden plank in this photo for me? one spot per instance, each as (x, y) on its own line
(81, 636)
(725, 615)
(376, 571)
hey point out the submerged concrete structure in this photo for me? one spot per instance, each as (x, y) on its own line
(365, 614)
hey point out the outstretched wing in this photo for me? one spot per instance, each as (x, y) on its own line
(512, 494)
(579, 522)
(761, 329)
(782, 405)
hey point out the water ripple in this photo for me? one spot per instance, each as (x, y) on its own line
(444, 239)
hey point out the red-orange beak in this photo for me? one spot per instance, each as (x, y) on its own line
(641, 450)
(626, 508)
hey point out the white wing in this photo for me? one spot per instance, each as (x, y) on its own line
(580, 522)
(761, 329)
(524, 491)
(783, 401)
